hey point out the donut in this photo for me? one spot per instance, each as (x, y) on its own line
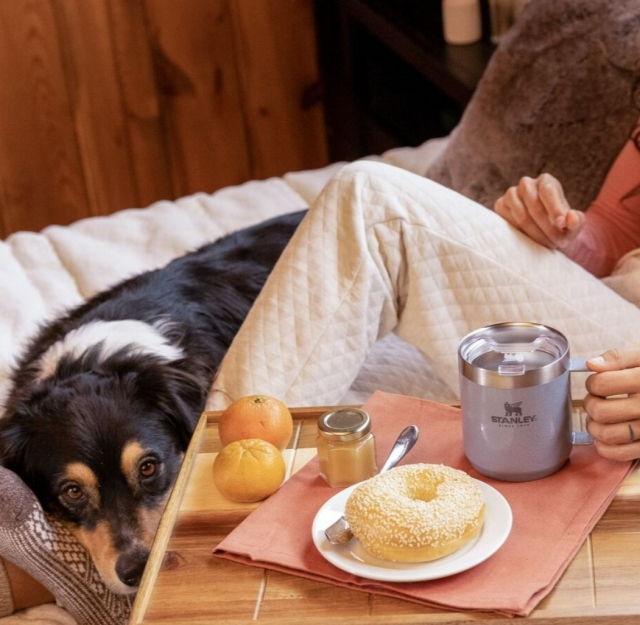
(416, 512)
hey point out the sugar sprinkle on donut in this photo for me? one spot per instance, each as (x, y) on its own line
(416, 513)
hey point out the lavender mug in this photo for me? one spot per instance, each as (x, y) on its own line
(516, 400)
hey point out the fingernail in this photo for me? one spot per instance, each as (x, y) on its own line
(560, 221)
(598, 360)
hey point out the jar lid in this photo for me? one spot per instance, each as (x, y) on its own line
(344, 424)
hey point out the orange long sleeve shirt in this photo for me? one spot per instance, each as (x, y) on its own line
(612, 225)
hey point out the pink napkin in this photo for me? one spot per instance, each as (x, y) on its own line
(551, 519)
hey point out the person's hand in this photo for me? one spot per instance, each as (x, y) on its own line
(538, 207)
(613, 403)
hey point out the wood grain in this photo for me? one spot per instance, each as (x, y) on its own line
(280, 84)
(600, 586)
(112, 104)
(140, 101)
(40, 165)
(193, 55)
(95, 98)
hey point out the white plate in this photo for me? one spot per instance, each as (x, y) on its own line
(353, 558)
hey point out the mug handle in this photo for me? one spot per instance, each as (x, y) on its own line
(579, 437)
(578, 364)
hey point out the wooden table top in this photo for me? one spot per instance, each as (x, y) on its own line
(185, 583)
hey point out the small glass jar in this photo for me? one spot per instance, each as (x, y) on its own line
(346, 447)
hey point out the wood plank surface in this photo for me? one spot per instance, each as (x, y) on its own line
(140, 101)
(40, 166)
(196, 75)
(601, 586)
(112, 104)
(95, 97)
(279, 79)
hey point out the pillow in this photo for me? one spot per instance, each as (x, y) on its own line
(561, 94)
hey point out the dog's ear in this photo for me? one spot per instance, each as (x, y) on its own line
(184, 401)
(12, 442)
(179, 395)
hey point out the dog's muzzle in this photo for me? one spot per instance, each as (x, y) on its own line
(130, 566)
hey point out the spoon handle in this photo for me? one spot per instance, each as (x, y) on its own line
(339, 533)
(401, 447)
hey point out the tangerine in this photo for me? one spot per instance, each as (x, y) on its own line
(256, 416)
(248, 470)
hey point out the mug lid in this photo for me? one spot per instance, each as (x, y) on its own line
(513, 349)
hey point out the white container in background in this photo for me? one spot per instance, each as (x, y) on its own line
(461, 21)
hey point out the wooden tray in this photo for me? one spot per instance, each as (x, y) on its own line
(185, 583)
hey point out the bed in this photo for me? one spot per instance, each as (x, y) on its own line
(542, 113)
(47, 272)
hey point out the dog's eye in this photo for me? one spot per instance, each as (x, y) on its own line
(148, 468)
(73, 493)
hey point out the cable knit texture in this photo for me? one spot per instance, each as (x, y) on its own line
(46, 550)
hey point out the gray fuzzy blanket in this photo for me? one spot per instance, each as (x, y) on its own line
(560, 95)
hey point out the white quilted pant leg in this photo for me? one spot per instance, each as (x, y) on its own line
(383, 249)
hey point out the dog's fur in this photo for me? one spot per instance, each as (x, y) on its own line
(105, 399)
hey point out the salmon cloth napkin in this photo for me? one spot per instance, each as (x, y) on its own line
(551, 519)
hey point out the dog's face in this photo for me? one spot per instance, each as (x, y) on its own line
(101, 454)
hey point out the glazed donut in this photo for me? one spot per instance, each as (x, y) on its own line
(416, 512)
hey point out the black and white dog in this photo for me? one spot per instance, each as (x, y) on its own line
(105, 399)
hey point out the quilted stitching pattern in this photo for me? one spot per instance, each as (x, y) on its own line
(384, 249)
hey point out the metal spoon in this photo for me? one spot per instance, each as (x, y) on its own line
(339, 533)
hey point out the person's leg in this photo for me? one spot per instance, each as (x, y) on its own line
(18, 590)
(48, 552)
(7, 604)
(383, 249)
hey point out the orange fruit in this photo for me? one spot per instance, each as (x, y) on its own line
(256, 416)
(248, 470)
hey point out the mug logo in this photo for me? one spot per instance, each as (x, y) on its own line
(513, 416)
(511, 409)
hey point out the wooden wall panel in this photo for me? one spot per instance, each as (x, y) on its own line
(140, 101)
(196, 77)
(96, 103)
(40, 167)
(110, 104)
(277, 66)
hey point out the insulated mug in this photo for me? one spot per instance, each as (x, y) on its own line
(516, 401)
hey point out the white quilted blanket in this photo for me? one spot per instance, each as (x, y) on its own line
(44, 273)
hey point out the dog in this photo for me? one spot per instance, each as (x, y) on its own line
(104, 400)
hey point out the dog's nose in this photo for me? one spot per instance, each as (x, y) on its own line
(130, 567)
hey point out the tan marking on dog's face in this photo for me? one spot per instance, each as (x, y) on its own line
(129, 460)
(81, 474)
(99, 544)
(149, 520)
